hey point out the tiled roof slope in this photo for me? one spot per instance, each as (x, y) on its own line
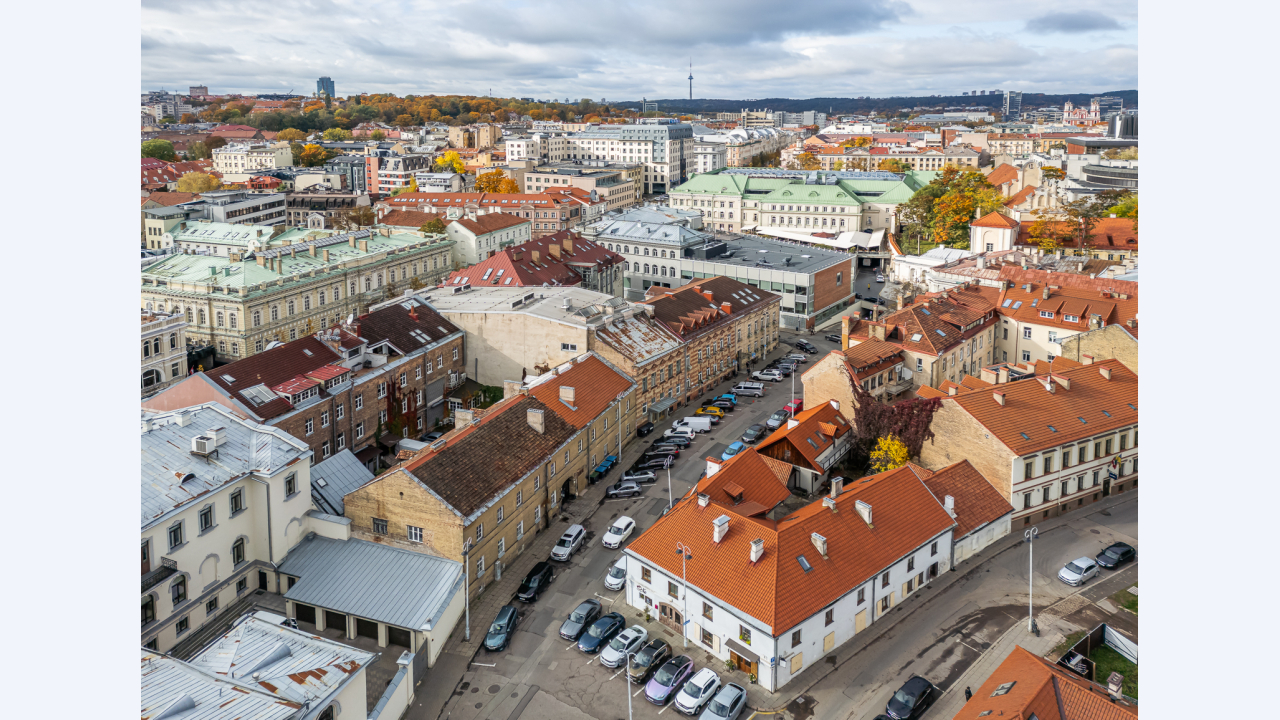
(482, 459)
(1115, 233)
(977, 502)
(813, 425)
(271, 368)
(1033, 419)
(398, 325)
(775, 589)
(688, 313)
(594, 384)
(1003, 174)
(939, 321)
(1069, 294)
(514, 266)
(1043, 690)
(409, 218)
(994, 219)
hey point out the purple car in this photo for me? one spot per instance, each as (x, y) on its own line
(668, 679)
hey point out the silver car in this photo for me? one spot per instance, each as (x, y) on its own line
(624, 643)
(727, 704)
(1078, 571)
(776, 419)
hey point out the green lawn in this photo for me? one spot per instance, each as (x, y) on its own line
(1108, 661)
(1126, 600)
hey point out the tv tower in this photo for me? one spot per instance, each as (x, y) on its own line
(691, 78)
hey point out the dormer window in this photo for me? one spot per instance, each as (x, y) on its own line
(1071, 318)
(1046, 314)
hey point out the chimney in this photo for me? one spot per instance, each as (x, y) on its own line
(757, 549)
(554, 249)
(950, 504)
(820, 543)
(1048, 384)
(510, 388)
(364, 246)
(536, 256)
(830, 504)
(988, 375)
(837, 487)
(877, 332)
(951, 390)
(568, 245)
(1132, 323)
(1086, 359)
(864, 509)
(1045, 293)
(720, 528)
(219, 435)
(998, 395)
(351, 241)
(726, 308)
(1003, 377)
(1064, 381)
(262, 262)
(534, 418)
(566, 395)
(463, 417)
(703, 499)
(982, 262)
(311, 249)
(713, 466)
(844, 333)
(293, 252)
(1106, 372)
(326, 256)
(792, 422)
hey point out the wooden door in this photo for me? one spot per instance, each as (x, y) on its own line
(860, 621)
(828, 642)
(797, 662)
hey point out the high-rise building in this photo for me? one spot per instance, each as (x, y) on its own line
(1109, 105)
(324, 86)
(1012, 105)
(199, 90)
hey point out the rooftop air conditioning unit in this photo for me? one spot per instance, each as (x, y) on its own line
(202, 445)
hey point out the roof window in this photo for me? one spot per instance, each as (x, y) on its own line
(1104, 412)
(1052, 428)
(1025, 436)
(804, 563)
(1004, 689)
(1082, 420)
(916, 337)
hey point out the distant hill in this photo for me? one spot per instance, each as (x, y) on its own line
(886, 104)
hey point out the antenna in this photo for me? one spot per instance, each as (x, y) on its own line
(350, 318)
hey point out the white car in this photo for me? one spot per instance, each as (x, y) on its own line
(1078, 571)
(879, 278)
(626, 642)
(683, 431)
(773, 375)
(620, 531)
(697, 691)
(617, 576)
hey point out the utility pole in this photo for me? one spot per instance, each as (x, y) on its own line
(466, 590)
(1031, 535)
(685, 555)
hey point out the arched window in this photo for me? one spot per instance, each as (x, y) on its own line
(218, 318)
(353, 289)
(646, 268)
(232, 318)
(201, 322)
(275, 312)
(664, 270)
(257, 318)
(188, 314)
(155, 346)
(306, 302)
(368, 285)
(321, 297)
(222, 346)
(173, 341)
(237, 552)
(379, 279)
(151, 378)
(146, 348)
(235, 349)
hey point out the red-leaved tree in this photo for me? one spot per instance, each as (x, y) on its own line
(909, 420)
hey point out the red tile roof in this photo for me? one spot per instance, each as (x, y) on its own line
(776, 589)
(814, 433)
(688, 312)
(506, 201)
(1044, 690)
(994, 219)
(594, 384)
(1005, 173)
(274, 368)
(977, 501)
(170, 199)
(1078, 296)
(409, 218)
(514, 266)
(408, 329)
(1020, 197)
(1114, 233)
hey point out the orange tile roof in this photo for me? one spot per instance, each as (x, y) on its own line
(513, 266)
(1020, 197)
(977, 502)
(688, 313)
(1079, 296)
(1033, 419)
(775, 589)
(595, 385)
(926, 391)
(1114, 233)
(807, 437)
(1003, 174)
(1043, 690)
(409, 218)
(994, 219)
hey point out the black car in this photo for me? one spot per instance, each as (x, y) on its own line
(503, 627)
(806, 346)
(912, 699)
(649, 658)
(601, 632)
(833, 337)
(653, 452)
(535, 582)
(582, 616)
(1116, 555)
(754, 433)
(679, 441)
(857, 296)
(724, 405)
(644, 429)
(653, 463)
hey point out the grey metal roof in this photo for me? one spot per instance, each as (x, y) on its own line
(174, 689)
(167, 459)
(334, 478)
(376, 582)
(283, 658)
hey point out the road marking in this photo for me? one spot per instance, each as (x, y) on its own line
(484, 664)
(962, 642)
(572, 646)
(663, 709)
(589, 662)
(638, 691)
(617, 674)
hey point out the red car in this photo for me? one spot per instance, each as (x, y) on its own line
(794, 406)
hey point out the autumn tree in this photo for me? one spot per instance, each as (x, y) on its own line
(198, 151)
(862, 141)
(1047, 233)
(195, 182)
(1126, 208)
(808, 161)
(311, 155)
(354, 218)
(489, 182)
(159, 149)
(215, 142)
(291, 135)
(412, 187)
(404, 120)
(377, 135)
(1049, 172)
(892, 165)
(450, 161)
(334, 134)
(435, 226)
(508, 186)
(967, 195)
(1084, 213)
(890, 453)
(188, 118)
(906, 420)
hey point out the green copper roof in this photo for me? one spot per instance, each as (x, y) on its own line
(713, 183)
(801, 193)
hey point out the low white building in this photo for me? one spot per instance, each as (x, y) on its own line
(243, 157)
(981, 513)
(915, 268)
(774, 593)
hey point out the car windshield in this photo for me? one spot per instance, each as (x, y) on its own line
(530, 582)
(619, 643)
(1074, 568)
(693, 689)
(780, 415)
(732, 450)
(598, 629)
(618, 572)
(498, 626)
(719, 709)
(904, 697)
(563, 542)
(578, 615)
(1112, 552)
(667, 673)
(645, 656)
(618, 529)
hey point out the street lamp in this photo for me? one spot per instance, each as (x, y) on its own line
(685, 555)
(669, 495)
(1031, 535)
(627, 683)
(466, 589)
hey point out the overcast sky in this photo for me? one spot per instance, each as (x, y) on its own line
(623, 50)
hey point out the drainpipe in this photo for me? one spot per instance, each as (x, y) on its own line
(271, 553)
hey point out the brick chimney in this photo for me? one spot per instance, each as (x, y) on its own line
(463, 417)
(536, 256)
(534, 418)
(837, 486)
(567, 395)
(326, 256)
(364, 246)
(877, 332)
(844, 333)
(726, 308)
(554, 249)
(568, 245)
(1062, 380)
(998, 395)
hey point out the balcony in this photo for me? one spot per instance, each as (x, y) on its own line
(166, 568)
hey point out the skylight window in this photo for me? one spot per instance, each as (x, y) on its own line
(230, 379)
(1004, 689)
(1082, 420)
(1017, 305)
(925, 311)
(1052, 428)
(804, 563)
(1025, 436)
(1131, 407)
(916, 337)
(940, 333)
(1104, 412)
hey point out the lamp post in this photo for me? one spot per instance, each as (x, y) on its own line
(1030, 535)
(627, 683)
(685, 555)
(466, 589)
(669, 496)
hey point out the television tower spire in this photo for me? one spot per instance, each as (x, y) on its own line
(691, 78)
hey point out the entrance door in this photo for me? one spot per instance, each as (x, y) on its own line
(564, 492)
(668, 615)
(933, 571)
(828, 642)
(860, 621)
(262, 580)
(1106, 487)
(743, 664)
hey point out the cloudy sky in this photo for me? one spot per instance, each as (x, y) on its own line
(623, 50)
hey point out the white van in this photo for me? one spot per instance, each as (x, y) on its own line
(752, 389)
(701, 424)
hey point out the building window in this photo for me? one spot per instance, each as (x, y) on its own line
(1048, 464)
(380, 526)
(175, 536)
(241, 585)
(148, 609)
(291, 486)
(830, 617)
(310, 426)
(1026, 333)
(884, 604)
(414, 533)
(795, 638)
(933, 549)
(480, 567)
(237, 501)
(338, 411)
(862, 595)
(237, 552)
(342, 441)
(911, 564)
(645, 574)
(206, 518)
(884, 580)
(178, 590)
(183, 625)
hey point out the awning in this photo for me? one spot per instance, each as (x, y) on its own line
(367, 454)
(740, 650)
(661, 405)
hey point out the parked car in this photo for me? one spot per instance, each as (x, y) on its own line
(582, 616)
(568, 543)
(729, 397)
(617, 576)
(643, 476)
(724, 405)
(597, 637)
(679, 441)
(732, 450)
(754, 433)
(806, 346)
(698, 691)
(649, 658)
(1116, 555)
(912, 699)
(770, 375)
(653, 452)
(798, 358)
(623, 644)
(654, 463)
(776, 419)
(794, 406)
(752, 389)
(432, 436)
(727, 704)
(502, 628)
(857, 296)
(693, 422)
(682, 431)
(832, 337)
(619, 532)
(644, 429)
(623, 488)
(667, 681)
(710, 411)
(535, 582)
(879, 277)
(1078, 571)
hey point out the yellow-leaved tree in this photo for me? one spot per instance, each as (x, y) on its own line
(291, 135)
(450, 161)
(194, 182)
(508, 186)
(890, 453)
(490, 181)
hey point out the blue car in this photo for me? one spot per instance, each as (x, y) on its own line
(732, 450)
(728, 396)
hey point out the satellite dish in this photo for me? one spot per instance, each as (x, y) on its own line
(350, 318)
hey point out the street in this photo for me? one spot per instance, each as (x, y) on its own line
(948, 626)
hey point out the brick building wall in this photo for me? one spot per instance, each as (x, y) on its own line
(829, 380)
(1105, 343)
(833, 285)
(958, 436)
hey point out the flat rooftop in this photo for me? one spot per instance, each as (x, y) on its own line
(547, 303)
(748, 250)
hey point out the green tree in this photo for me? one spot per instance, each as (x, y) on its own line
(195, 182)
(198, 151)
(377, 135)
(159, 149)
(1085, 212)
(354, 218)
(435, 226)
(334, 134)
(1126, 208)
